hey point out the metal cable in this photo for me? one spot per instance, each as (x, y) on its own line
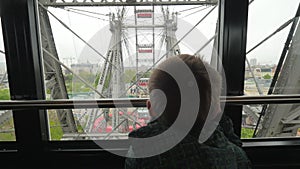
(96, 13)
(278, 69)
(85, 14)
(260, 43)
(95, 50)
(199, 50)
(194, 12)
(79, 37)
(173, 46)
(66, 67)
(189, 9)
(272, 34)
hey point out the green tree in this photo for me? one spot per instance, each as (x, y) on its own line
(4, 94)
(247, 133)
(267, 76)
(55, 130)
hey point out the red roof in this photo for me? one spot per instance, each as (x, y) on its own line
(145, 50)
(144, 15)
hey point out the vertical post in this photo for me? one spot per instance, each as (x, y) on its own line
(168, 27)
(25, 74)
(153, 34)
(136, 45)
(232, 49)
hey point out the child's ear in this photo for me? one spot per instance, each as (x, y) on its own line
(148, 104)
(150, 109)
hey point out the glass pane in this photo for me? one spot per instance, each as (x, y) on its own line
(279, 120)
(270, 29)
(94, 52)
(7, 132)
(100, 124)
(272, 68)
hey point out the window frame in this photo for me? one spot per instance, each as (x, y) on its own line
(20, 22)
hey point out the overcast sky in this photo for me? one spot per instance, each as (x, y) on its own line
(265, 16)
(97, 33)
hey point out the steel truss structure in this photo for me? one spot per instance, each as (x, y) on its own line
(284, 120)
(111, 82)
(278, 121)
(53, 73)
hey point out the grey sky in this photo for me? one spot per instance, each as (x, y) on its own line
(97, 33)
(265, 16)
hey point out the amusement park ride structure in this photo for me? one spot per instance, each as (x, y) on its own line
(111, 82)
(273, 121)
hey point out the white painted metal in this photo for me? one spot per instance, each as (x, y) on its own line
(279, 118)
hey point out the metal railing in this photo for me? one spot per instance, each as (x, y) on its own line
(136, 102)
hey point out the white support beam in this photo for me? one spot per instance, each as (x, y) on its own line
(287, 83)
(249, 111)
(291, 128)
(292, 115)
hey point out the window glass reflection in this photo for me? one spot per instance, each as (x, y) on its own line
(95, 52)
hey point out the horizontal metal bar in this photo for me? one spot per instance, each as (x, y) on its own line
(267, 99)
(98, 136)
(137, 102)
(71, 104)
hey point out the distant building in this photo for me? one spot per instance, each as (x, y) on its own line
(253, 61)
(84, 67)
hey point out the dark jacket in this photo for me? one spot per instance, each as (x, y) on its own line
(218, 152)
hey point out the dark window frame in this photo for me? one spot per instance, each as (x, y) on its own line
(22, 46)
